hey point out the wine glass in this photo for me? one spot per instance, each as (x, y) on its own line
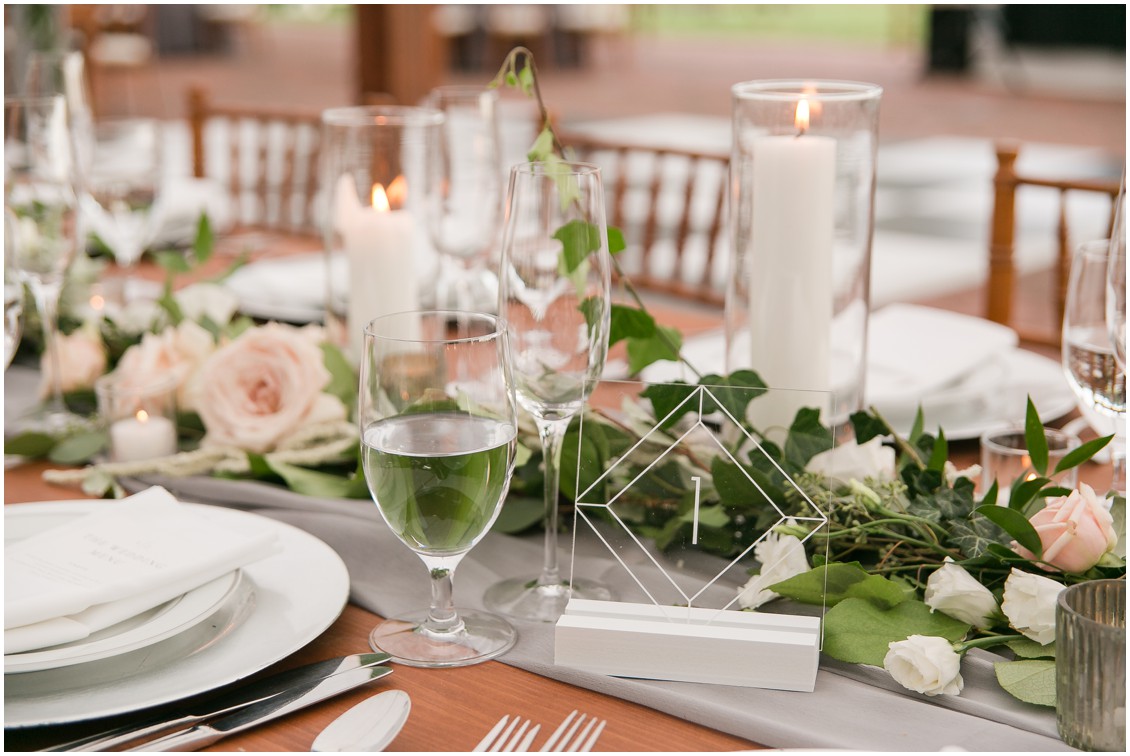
(39, 194)
(1088, 354)
(554, 292)
(13, 293)
(466, 202)
(63, 72)
(1116, 281)
(438, 436)
(121, 187)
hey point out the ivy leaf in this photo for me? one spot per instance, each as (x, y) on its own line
(343, 379)
(579, 239)
(628, 323)
(1026, 648)
(867, 427)
(616, 242)
(542, 146)
(526, 80)
(807, 437)
(663, 345)
(836, 582)
(665, 398)
(1081, 454)
(975, 536)
(1015, 524)
(1030, 680)
(735, 491)
(732, 392)
(859, 632)
(1036, 439)
(31, 445)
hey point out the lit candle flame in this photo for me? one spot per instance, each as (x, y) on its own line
(142, 416)
(384, 201)
(802, 117)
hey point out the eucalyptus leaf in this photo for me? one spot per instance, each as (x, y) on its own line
(1036, 439)
(1030, 680)
(859, 632)
(31, 445)
(79, 448)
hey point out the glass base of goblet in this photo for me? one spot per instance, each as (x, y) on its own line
(407, 640)
(529, 600)
(50, 421)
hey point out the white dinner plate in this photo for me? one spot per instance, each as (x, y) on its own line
(145, 629)
(298, 592)
(291, 289)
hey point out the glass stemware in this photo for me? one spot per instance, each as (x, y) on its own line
(121, 187)
(13, 293)
(1088, 355)
(55, 72)
(466, 202)
(1116, 281)
(554, 292)
(438, 436)
(39, 193)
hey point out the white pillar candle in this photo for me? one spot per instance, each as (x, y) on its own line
(378, 242)
(792, 231)
(142, 436)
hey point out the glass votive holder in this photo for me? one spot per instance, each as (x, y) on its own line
(140, 417)
(1090, 670)
(1005, 459)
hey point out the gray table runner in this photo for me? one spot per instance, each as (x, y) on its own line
(853, 707)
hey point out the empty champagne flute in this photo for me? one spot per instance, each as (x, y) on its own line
(554, 292)
(1088, 354)
(122, 186)
(465, 204)
(438, 437)
(1116, 281)
(39, 194)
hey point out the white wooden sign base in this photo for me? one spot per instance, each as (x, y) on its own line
(749, 649)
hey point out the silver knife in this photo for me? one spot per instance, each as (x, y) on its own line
(200, 735)
(277, 686)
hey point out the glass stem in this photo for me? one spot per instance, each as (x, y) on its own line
(442, 617)
(46, 297)
(1118, 463)
(552, 433)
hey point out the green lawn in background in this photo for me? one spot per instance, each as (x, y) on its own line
(869, 25)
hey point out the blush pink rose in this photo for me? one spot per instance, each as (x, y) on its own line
(262, 387)
(1075, 531)
(82, 359)
(178, 352)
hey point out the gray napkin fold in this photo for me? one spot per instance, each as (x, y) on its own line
(853, 707)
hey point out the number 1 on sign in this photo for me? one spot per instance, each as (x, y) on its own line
(694, 527)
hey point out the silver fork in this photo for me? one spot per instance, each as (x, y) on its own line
(570, 740)
(503, 738)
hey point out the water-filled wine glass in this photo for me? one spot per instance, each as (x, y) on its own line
(1088, 354)
(1116, 282)
(39, 193)
(121, 186)
(438, 437)
(554, 292)
(465, 204)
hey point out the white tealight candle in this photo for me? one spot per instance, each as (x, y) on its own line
(792, 231)
(378, 243)
(142, 436)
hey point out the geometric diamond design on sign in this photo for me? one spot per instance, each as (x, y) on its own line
(728, 491)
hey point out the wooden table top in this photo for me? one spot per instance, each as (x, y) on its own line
(452, 709)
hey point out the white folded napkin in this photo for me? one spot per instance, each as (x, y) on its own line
(915, 350)
(67, 582)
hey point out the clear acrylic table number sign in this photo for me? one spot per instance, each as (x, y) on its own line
(693, 454)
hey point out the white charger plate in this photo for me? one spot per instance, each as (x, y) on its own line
(298, 592)
(149, 627)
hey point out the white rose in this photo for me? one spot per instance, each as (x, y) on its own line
(925, 664)
(1029, 604)
(951, 473)
(262, 387)
(137, 316)
(954, 592)
(179, 352)
(82, 359)
(781, 557)
(856, 461)
(207, 300)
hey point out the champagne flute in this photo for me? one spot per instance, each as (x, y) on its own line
(39, 193)
(466, 202)
(122, 187)
(438, 436)
(1088, 354)
(554, 291)
(13, 293)
(1116, 281)
(63, 72)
